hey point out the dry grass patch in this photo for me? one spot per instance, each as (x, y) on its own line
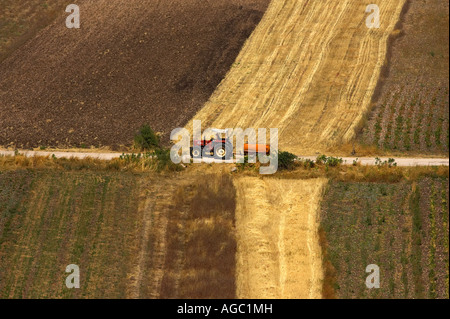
(278, 247)
(134, 163)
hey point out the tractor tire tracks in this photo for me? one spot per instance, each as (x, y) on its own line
(309, 69)
(278, 249)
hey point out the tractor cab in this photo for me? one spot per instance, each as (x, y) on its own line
(213, 136)
(219, 135)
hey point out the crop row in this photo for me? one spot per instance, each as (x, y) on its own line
(410, 118)
(401, 227)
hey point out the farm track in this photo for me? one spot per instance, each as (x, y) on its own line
(157, 199)
(309, 69)
(154, 202)
(278, 250)
(406, 162)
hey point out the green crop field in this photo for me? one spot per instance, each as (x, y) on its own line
(401, 227)
(133, 235)
(411, 118)
(50, 219)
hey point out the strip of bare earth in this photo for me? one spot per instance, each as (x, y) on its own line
(406, 162)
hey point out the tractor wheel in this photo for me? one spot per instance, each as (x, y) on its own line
(224, 152)
(196, 152)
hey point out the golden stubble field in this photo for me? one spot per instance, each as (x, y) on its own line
(278, 253)
(309, 69)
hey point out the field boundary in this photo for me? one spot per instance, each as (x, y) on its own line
(406, 162)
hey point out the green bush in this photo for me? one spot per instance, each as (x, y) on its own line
(321, 159)
(329, 160)
(164, 161)
(146, 139)
(308, 163)
(158, 159)
(286, 161)
(246, 165)
(334, 161)
(389, 163)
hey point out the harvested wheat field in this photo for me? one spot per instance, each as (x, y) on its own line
(130, 63)
(278, 253)
(309, 69)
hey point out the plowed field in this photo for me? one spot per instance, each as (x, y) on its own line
(131, 62)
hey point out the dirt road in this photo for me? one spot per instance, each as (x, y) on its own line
(347, 160)
(278, 250)
(309, 69)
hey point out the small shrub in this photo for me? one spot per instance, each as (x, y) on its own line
(248, 164)
(146, 139)
(334, 161)
(321, 159)
(286, 161)
(389, 163)
(329, 161)
(309, 163)
(164, 161)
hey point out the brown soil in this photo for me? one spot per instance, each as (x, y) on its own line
(130, 63)
(20, 20)
(411, 102)
(200, 252)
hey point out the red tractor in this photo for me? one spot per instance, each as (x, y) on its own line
(217, 147)
(221, 148)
